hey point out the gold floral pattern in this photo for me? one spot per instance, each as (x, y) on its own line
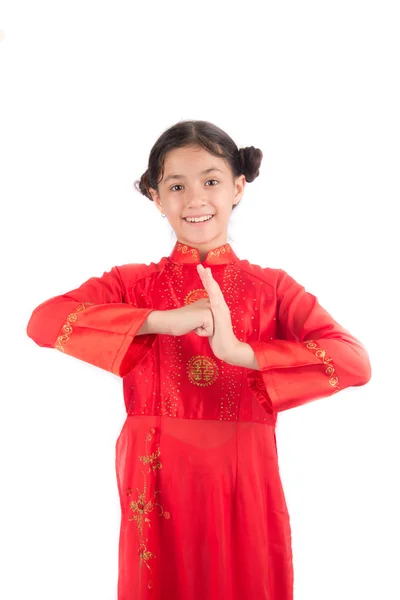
(152, 458)
(67, 328)
(144, 505)
(322, 355)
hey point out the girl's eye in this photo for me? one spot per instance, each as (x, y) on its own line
(179, 185)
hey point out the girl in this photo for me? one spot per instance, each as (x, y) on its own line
(210, 348)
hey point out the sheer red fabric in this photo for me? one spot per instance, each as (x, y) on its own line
(203, 511)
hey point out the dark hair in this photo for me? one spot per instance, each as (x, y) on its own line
(211, 138)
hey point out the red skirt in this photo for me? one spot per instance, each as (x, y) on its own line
(203, 512)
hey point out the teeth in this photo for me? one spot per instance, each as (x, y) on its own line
(198, 220)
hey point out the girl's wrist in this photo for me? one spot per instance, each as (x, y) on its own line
(157, 322)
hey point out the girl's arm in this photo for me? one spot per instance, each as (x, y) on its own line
(314, 356)
(94, 324)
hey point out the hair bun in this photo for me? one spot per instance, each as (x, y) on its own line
(249, 161)
(142, 185)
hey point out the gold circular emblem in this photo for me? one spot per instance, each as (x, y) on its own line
(202, 370)
(195, 295)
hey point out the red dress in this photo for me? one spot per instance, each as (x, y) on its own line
(203, 512)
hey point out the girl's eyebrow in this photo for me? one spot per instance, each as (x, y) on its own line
(201, 173)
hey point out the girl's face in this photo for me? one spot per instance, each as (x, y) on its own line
(196, 183)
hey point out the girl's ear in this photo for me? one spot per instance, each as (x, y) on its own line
(156, 199)
(240, 184)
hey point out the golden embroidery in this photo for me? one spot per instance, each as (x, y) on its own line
(67, 329)
(195, 295)
(211, 254)
(218, 251)
(202, 370)
(184, 249)
(143, 506)
(322, 355)
(146, 460)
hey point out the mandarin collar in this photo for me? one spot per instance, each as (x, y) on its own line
(188, 255)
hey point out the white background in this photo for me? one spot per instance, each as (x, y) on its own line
(86, 89)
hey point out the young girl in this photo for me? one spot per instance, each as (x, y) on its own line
(210, 348)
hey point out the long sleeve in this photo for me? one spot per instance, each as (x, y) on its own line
(312, 358)
(94, 323)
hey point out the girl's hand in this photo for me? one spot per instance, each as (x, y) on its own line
(196, 317)
(223, 341)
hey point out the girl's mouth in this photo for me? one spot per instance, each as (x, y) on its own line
(198, 223)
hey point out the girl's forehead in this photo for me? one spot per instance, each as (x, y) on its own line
(192, 159)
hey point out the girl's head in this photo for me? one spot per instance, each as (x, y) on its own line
(196, 169)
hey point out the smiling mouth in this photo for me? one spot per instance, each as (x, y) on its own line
(198, 222)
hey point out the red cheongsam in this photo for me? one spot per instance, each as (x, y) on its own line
(203, 512)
